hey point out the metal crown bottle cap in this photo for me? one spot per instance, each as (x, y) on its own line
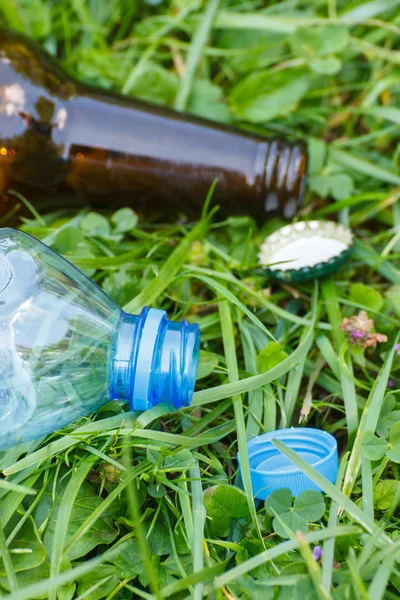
(306, 250)
(271, 470)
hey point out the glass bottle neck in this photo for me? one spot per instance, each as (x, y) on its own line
(285, 177)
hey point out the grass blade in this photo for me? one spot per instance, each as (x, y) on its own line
(199, 516)
(369, 420)
(168, 271)
(313, 567)
(233, 375)
(197, 45)
(365, 167)
(329, 545)
(349, 392)
(7, 562)
(63, 518)
(256, 381)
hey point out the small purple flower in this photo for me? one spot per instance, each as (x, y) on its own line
(360, 331)
(397, 348)
(356, 334)
(391, 384)
(317, 553)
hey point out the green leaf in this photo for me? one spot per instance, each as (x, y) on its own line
(308, 42)
(279, 502)
(83, 250)
(394, 447)
(207, 101)
(310, 505)
(124, 220)
(122, 285)
(334, 39)
(129, 562)
(67, 591)
(257, 49)
(67, 239)
(263, 96)
(26, 578)
(394, 433)
(155, 84)
(106, 579)
(388, 416)
(270, 356)
(208, 362)
(320, 184)
(394, 453)
(26, 549)
(156, 491)
(153, 455)
(159, 540)
(304, 589)
(305, 42)
(339, 185)
(373, 448)
(103, 531)
(288, 523)
(326, 65)
(224, 503)
(393, 299)
(180, 461)
(95, 225)
(384, 493)
(294, 514)
(316, 155)
(366, 295)
(39, 16)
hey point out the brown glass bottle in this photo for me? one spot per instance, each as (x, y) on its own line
(59, 134)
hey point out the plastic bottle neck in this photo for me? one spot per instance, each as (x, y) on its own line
(153, 360)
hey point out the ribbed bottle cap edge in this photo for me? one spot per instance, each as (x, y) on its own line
(305, 234)
(265, 482)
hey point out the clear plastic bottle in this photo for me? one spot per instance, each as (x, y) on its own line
(66, 348)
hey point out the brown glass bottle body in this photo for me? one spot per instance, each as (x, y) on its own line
(59, 134)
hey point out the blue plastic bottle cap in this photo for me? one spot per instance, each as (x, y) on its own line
(271, 470)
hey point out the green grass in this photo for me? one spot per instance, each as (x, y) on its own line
(112, 507)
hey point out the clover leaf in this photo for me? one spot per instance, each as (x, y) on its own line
(270, 356)
(124, 219)
(375, 448)
(95, 225)
(365, 295)
(291, 515)
(384, 493)
(394, 443)
(319, 46)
